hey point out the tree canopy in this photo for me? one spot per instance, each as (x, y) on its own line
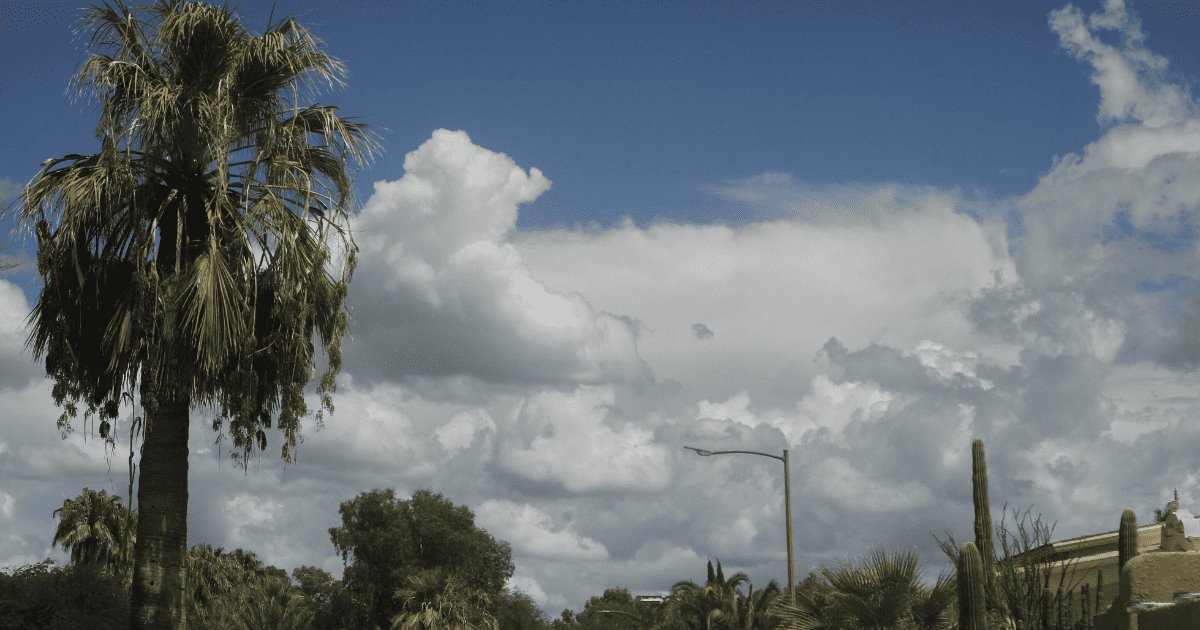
(384, 541)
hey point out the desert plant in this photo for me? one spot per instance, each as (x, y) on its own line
(1127, 538)
(1085, 606)
(984, 534)
(1027, 572)
(972, 603)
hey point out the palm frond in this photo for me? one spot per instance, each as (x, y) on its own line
(205, 225)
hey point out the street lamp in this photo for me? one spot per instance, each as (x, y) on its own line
(622, 612)
(787, 504)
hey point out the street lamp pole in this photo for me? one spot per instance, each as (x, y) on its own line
(787, 505)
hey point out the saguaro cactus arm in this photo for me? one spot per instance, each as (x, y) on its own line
(1127, 538)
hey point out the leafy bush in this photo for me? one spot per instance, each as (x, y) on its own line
(45, 596)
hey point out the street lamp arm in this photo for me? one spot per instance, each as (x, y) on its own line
(618, 612)
(705, 452)
(787, 505)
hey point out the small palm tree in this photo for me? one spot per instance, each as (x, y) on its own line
(439, 600)
(721, 604)
(93, 527)
(883, 592)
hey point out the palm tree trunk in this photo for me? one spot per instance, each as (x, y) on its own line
(157, 600)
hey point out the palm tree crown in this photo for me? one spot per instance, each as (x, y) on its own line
(721, 604)
(884, 591)
(191, 253)
(93, 528)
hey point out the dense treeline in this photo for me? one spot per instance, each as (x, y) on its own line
(422, 563)
(414, 563)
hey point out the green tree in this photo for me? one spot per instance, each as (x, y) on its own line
(49, 597)
(94, 528)
(327, 599)
(189, 260)
(383, 541)
(882, 592)
(515, 610)
(616, 609)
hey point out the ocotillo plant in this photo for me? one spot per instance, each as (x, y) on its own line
(984, 535)
(1062, 606)
(1127, 538)
(972, 604)
(1085, 606)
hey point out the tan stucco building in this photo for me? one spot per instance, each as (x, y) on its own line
(1093, 553)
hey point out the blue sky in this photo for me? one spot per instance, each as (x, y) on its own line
(866, 233)
(635, 107)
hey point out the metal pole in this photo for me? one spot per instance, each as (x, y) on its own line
(787, 507)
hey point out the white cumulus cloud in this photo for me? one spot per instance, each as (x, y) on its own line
(570, 440)
(534, 533)
(442, 291)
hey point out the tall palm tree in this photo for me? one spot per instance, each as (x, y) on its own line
(193, 256)
(93, 527)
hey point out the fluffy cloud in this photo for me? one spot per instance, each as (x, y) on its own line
(442, 291)
(1109, 233)
(572, 440)
(534, 534)
(775, 291)
(16, 370)
(1131, 78)
(8, 191)
(871, 329)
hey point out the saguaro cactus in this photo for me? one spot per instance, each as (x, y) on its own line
(1127, 538)
(985, 539)
(972, 604)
